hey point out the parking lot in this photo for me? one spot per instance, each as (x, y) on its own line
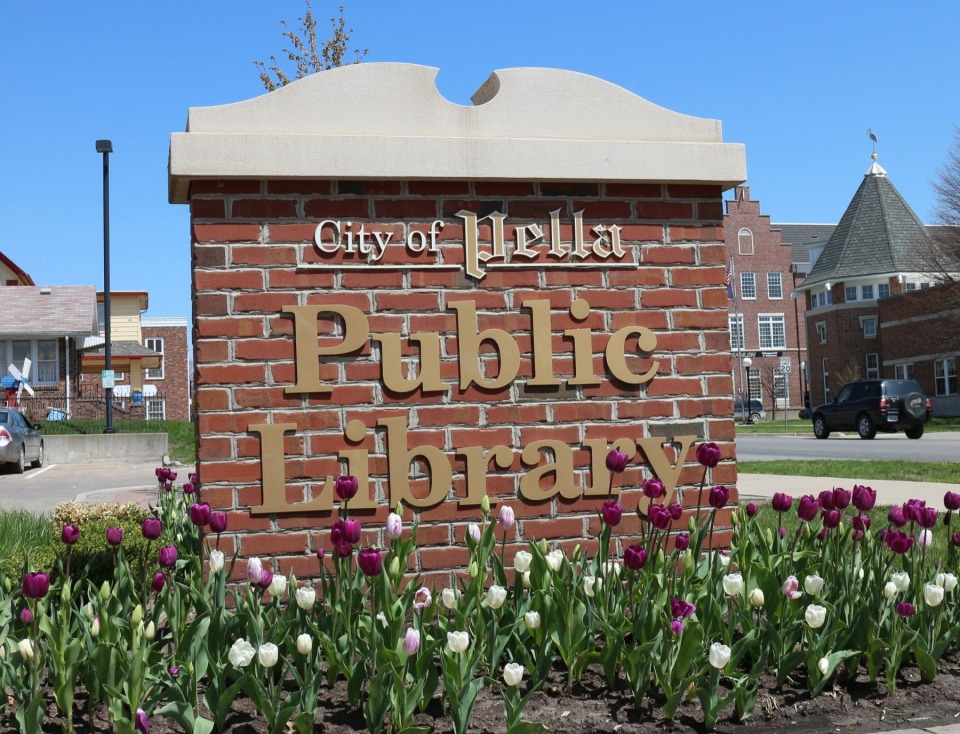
(40, 490)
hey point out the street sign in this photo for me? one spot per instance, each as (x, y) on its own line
(785, 364)
(107, 377)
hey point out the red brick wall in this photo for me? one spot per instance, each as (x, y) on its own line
(246, 239)
(175, 385)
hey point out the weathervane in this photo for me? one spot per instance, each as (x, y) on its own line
(873, 139)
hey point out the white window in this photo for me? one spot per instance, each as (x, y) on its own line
(156, 409)
(826, 382)
(745, 241)
(781, 388)
(736, 332)
(883, 290)
(945, 376)
(851, 293)
(748, 286)
(911, 287)
(155, 344)
(44, 356)
(873, 367)
(822, 331)
(46, 364)
(774, 286)
(903, 371)
(773, 334)
(869, 324)
(866, 292)
(754, 388)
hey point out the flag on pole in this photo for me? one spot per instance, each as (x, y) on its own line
(730, 278)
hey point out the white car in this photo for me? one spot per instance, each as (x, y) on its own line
(20, 440)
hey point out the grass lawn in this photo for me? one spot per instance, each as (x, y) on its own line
(911, 471)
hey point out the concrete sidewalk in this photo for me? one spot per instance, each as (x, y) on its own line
(889, 492)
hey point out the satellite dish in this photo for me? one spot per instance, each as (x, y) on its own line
(21, 378)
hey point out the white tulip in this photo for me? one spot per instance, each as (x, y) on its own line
(254, 570)
(25, 647)
(306, 597)
(947, 580)
(304, 644)
(756, 598)
(554, 560)
(611, 566)
(889, 589)
(241, 654)
(512, 674)
(813, 585)
(151, 631)
(474, 530)
(933, 595)
(592, 585)
(732, 584)
(719, 655)
(278, 585)
(458, 641)
(532, 620)
(815, 615)
(901, 580)
(449, 598)
(724, 559)
(526, 580)
(216, 561)
(521, 561)
(824, 665)
(268, 654)
(496, 596)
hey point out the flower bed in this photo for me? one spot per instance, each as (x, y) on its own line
(670, 627)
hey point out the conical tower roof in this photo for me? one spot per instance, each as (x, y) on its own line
(879, 234)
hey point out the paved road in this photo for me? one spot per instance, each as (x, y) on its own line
(40, 490)
(894, 447)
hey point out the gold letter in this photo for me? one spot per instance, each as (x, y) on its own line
(399, 458)
(273, 479)
(469, 342)
(391, 361)
(652, 448)
(582, 347)
(356, 329)
(542, 344)
(616, 357)
(561, 468)
(599, 474)
(477, 463)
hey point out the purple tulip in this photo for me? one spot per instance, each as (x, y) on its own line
(951, 500)
(955, 539)
(320, 554)
(675, 510)
(927, 517)
(218, 522)
(825, 500)
(351, 531)
(189, 488)
(168, 486)
(831, 518)
(905, 609)
(114, 536)
(26, 616)
(151, 528)
(680, 609)
(343, 550)
(653, 488)
(70, 534)
(617, 461)
(346, 487)
(783, 531)
(861, 522)
(718, 496)
(370, 562)
(192, 477)
(708, 455)
(611, 513)
(899, 542)
(36, 585)
(682, 542)
(807, 508)
(824, 532)
(752, 509)
(781, 502)
(676, 626)
(167, 557)
(659, 517)
(864, 498)
(635, 557)
(841, 498)
(199, 514)
(174, 670)
(141, 722)
(911, 509)
(159, 581)
(266, 577)
(896, 516)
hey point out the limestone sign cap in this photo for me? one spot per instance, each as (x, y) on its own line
(388, 121)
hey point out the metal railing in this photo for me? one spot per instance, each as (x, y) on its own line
(53, 408)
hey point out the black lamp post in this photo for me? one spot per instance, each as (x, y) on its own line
(747, 364)
(106, 147)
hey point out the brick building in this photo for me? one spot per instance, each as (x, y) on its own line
(765, 317)
(450, 302)
(168, 337)
(875, 252)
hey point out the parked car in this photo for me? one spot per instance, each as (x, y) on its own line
(868, 406)
(20, 440)
(753, 412)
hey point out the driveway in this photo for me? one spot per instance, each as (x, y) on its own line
(40, 490)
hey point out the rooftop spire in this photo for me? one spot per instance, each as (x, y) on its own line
(876, 169)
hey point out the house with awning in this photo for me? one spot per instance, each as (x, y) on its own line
(129, 358)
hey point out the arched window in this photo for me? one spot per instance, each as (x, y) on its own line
(745, 241)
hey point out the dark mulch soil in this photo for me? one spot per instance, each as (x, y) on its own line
(857, 707)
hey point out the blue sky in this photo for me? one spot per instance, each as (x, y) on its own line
(797, 83)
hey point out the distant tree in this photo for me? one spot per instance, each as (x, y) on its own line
(849, 372)
(307, 53)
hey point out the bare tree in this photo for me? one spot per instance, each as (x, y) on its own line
(851, 371)
(306, 54)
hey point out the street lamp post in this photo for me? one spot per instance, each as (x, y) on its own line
(106, 147)
(745, 401)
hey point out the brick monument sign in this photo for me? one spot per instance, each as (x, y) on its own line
(449, 302)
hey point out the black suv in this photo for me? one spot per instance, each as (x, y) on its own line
(875, 405)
